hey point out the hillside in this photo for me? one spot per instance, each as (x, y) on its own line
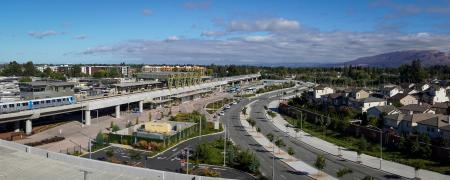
(395, 59)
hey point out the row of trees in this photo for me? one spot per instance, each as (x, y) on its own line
(361, 76)
(211, 153)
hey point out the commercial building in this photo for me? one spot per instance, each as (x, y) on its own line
(44, 89)
(90, 70)
(148, 68)
(172, 79)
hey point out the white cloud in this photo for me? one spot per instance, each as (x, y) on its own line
(257, 38)
(271, 25)
(43, 34)
(283, 42)
(212, 33)
(173, 38)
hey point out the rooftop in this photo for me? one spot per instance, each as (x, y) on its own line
(48, 83)
(131, 84)
(415, 107)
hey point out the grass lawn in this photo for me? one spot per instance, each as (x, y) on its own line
(373, 149)
(218, 104)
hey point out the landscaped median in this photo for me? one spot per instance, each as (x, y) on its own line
(269, 146)
(374, 162)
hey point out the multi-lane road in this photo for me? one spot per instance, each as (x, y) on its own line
(303, 151)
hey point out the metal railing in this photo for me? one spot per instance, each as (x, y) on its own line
(89, 164)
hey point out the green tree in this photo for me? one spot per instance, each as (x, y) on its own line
(291, 151)
(149, 116)
(361, 146)
(417, 164)
(373, 121)
(342, 172)
(47, 72)
(280, 143)
(12, 69)
(244, 110)
(137, 120)
(368, 178)
(29, 69)
(112, 72)
(320, 163)
(25, 79)
(270, 136)
(100, 139)
(100, 74)
(115, 128)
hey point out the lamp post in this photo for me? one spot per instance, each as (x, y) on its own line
(273, 161)
(381, 143)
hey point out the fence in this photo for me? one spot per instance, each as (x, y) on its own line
(101, 165)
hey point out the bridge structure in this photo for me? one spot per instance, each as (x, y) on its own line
(88, 105)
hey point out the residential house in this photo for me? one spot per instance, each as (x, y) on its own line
(403, 99)
(407, 85)
(390, 91)
(405, 123)
(379, 111)
(422, 86)
(364, 104)
(445, 132)
(359, 94)
(434, 126)
(416, 109)
(441, 108)
(410, 91)
(322, 90)
(435, 94)
(335, 99)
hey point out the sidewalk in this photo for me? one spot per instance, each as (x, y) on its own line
(280, 154)
(78, 135)
(374, 162)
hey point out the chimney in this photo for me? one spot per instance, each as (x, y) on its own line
(411, 112)
(420, 103)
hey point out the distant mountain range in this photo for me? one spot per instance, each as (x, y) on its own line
(395, 59)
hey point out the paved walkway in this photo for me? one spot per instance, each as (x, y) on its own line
(280, 154)
(374, 162)
(78, 135)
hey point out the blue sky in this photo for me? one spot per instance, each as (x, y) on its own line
(212, 31)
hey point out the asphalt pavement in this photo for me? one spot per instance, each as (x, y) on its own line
(305, 152)
(240, 137)
(170, 160)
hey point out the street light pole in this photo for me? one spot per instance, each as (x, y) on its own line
(225, 146)
(273, 161)
(381, 144)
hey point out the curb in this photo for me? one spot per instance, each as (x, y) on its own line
(183, 142)
(348, 160)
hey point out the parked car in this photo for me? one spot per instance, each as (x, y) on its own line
(227, 106)
(221, 113)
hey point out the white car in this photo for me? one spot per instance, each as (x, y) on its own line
(234, 102)
(221, 113)
(227, 107)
